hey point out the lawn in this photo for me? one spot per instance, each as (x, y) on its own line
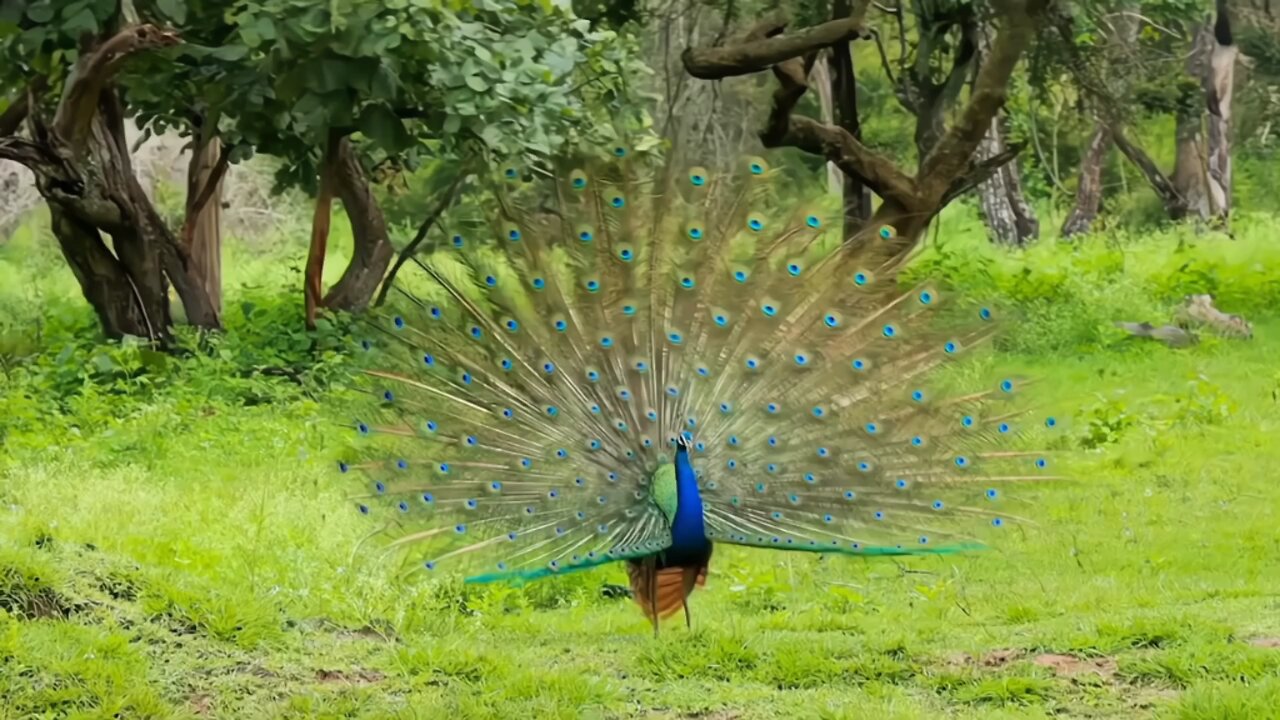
(190, 558)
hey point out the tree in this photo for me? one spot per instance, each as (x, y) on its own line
(946, 167)
(63, 62)
(1133, 60)
(335, 88)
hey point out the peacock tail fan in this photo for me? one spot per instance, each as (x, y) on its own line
(532, 385)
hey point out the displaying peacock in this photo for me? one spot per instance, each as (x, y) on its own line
(633, 364)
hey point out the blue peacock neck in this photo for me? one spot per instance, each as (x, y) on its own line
(688, 529)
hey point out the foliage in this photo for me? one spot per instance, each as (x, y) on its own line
(511, 78)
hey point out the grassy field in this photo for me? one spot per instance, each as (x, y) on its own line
(189, 557)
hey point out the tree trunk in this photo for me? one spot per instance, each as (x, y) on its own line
(103, 279)
(844, 94)
(1219, 79)
(1004, 208)
(373, 250)
(205, 241)
(1089, 191)
(824, 86)
(1190, 170)
(313, 279)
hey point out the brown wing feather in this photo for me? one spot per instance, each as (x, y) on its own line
(674, 584)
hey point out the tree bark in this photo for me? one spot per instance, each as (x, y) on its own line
(204, 216)
(313, 279)
(825, 87)
(1004, 207)
(1089, 191)
(1219, 81)
(1190, 171)
(103, 279)
(844, 93)
(373, 250)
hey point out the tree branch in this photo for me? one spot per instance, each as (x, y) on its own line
(211, 184)
(447, 199)
(80, 101)
(838, 146)
(1174, 204)
(13, 116)
(313, 287)
(978, 173)
(22, 151)
(884, 58)
(755, 55)
(949, 156)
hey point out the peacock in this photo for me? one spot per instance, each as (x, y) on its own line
(633, 361)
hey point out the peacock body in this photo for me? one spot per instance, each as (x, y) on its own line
(634, 363)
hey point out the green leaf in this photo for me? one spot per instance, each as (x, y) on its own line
(81, 22)
(41, 11)
(332, 74)
(381, 125)
(477, 83)
(230, 53)
(175, 10)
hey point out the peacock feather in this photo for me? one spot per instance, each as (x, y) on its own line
(633, 363)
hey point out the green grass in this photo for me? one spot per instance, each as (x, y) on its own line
(167, 552)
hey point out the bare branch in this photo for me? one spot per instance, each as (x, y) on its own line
(978, 173)
(1175, 205)
(211, 184)
(838, 146)
(13, 116)
(884, 57)
(22, 151)
(447, 199)
(754, 56)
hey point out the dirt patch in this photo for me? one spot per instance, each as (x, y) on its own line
(1000, 658)
(1071, 666)
(354, 677)
(202, 705)
(1266, 642)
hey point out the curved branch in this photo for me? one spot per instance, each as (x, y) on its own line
(205, 194)
(1174, 204)
(80, 101)
(841, 148)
